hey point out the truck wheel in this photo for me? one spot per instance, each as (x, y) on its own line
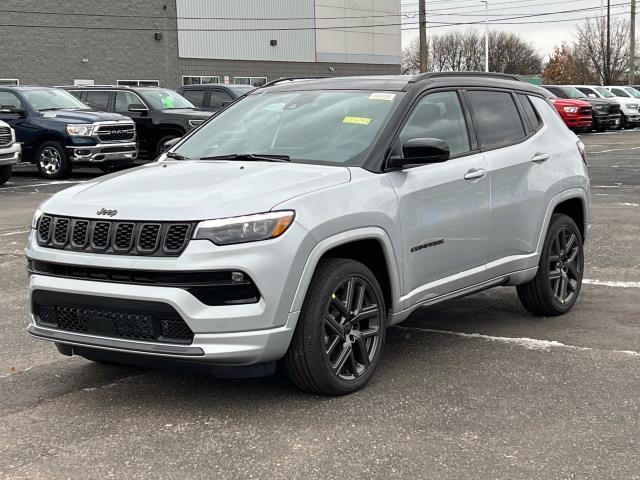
(340, 334)
(161, 142)
(5, 174)
(623, 123)
(52, 160)
(556, 286)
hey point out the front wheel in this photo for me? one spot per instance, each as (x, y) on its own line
(340, 334)
(622, 124)
(556, 286)
(53, 161)
(5, 174)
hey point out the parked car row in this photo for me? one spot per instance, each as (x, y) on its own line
(103, 126)
(588, 107)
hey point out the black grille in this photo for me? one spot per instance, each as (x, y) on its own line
(79, 233)
(44, 228)
(586, 110)
(114, 237)
(61, 231)
(175, 237)
(100, 235)
(148, 238)
(117, 133)
(5, 136)
(129, 319)
(124, 236)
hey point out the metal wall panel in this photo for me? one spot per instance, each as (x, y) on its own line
(226, 17)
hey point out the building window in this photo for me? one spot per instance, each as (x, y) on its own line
(255, 81)
(199, 79)
(140, 83)
(9, 81)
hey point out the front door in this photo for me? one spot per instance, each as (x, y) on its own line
(444, 207)
(25, 132)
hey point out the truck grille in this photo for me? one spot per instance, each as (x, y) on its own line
(129, 319)
(114, 237)
(5, 136)
(116, 133)
(585, 110)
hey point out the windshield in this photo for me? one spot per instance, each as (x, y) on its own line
(633, 92)
(604, 92)
(52, 99)
(327, 127)
(162, 99)
(573, 92)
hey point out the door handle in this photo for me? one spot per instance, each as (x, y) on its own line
(475, 174)
(540, 157)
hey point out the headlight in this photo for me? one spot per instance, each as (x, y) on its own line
(36, 217)
(195, 123)
(571, 109)
(632, 106)
(250, 228)
(80, 130)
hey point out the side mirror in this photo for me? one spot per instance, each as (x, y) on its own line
(168, 144)
(138, 107)
(419, 151)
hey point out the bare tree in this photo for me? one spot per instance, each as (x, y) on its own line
(411, 58)
(591, 48)
(508, 53)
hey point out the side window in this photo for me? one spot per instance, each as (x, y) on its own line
(76, 93)
(97, 99)
(556, 91)
(618, 92)
(218, 97)
(194, 95)
(529, 112)
(9, 101)
(496, 118)
(124, 100)
(439, 115)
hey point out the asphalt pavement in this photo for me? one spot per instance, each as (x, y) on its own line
(473, 388)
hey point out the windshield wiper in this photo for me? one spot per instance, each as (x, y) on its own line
(250, 157)
(176, 156)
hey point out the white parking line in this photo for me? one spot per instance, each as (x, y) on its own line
(628, 204)
(528, 343)
(614, 150)
(13, 233)
(607, 283)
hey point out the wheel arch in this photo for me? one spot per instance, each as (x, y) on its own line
(45, 137)
(574, 208)
(370, 246)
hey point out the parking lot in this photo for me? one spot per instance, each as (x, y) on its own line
(474, 388)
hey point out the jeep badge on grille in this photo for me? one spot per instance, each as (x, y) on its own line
(104, 211)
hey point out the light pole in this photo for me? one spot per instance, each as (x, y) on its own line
(486, 34)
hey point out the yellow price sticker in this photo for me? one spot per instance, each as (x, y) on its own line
(357, 120)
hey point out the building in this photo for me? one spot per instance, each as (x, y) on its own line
(171, 42)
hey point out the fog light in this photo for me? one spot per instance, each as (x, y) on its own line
(237, 277)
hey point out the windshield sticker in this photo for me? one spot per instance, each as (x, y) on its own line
(385, 97)
(357, 120)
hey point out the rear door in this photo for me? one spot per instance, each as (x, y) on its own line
(444, 207)
(522, 174)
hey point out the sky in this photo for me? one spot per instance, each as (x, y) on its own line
(544, 35)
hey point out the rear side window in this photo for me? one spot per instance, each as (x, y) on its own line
(97, 99)
(619, 92)
(439, 115)
(530, 113)
(496, 118)
(219, 97)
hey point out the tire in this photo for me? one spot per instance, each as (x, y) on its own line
(339, 338)
(5, 174)
(555, 290)
(52, 161)
(623, 123)
(165, 138)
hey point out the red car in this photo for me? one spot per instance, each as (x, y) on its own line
(577, 114)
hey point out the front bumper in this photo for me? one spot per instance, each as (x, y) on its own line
(11, 154)
(103, 152)
(230, 335)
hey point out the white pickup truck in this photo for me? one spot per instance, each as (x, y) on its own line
(10, 151)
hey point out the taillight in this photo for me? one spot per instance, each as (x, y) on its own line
(583, 151)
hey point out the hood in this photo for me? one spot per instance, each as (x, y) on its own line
(566, 102)
(188, 114)
(82, 116)
(601, 102)
(194, 190)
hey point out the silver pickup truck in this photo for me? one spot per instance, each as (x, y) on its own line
(10, 151)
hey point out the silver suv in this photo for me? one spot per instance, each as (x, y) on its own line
(304, 219)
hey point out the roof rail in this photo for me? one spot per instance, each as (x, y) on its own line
(291, 79)
(430, 75)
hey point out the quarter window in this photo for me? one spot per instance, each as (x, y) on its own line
(496, 118)
(529, 112)
(97, 99)
(439, 115)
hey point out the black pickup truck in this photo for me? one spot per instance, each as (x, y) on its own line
(57, 131)
(160, 113)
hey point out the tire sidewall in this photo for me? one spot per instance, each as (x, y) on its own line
(558, 222)
(65, 166)
(5, 173)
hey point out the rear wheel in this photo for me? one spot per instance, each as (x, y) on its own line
(5, 174)
(52, 160)
(340, 335)
(556, 286)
